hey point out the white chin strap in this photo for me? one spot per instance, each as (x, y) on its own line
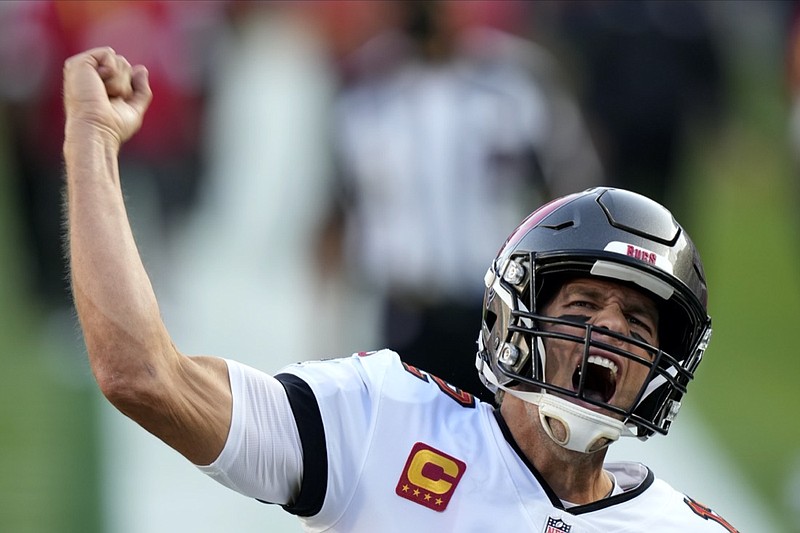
(586, 431)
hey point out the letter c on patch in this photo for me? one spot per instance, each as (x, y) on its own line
(430, 477)
(437, 486)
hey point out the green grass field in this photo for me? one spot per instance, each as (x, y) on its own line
(740, 194)
(47, 441)
(743, 191)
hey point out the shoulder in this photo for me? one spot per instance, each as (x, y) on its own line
(656, 505)
(701, 513)
(687, 514)
(360, 371)
(368, 412)
(379, 373)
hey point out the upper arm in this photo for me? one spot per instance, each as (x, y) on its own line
(187, 404)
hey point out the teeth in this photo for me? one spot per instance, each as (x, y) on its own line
(602, 361)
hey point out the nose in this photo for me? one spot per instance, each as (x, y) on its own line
(611, 318)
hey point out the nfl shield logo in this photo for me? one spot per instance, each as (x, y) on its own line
(556, 525)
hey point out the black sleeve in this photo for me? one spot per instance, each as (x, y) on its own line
(312, 437)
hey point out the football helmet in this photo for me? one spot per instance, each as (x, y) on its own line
(611, 234)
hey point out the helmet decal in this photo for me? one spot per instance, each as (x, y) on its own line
(642, 254)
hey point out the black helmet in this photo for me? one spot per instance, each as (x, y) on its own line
(609, 233)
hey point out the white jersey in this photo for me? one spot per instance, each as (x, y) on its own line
(390, 448)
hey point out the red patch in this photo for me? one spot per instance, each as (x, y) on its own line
(430, 477)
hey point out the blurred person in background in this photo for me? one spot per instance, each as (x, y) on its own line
(242, 269)
(165, 166)
(792, 94)
(649, 76)
(32, 46)
(445, 130)
(35, 39)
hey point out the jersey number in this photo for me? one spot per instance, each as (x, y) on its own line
(463, 398)
(706, 513)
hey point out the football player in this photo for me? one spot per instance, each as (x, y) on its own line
(593, 325)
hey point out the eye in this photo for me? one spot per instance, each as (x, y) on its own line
(642, 329)
(585, 304)
(636, 322)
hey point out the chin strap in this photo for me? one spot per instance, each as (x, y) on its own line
(586, 431)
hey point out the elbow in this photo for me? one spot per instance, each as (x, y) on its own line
(128, 385)
(120, 388)
(131, 356)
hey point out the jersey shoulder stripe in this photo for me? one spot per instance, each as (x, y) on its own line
(312, 437)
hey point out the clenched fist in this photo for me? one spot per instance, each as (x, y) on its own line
(104, 94)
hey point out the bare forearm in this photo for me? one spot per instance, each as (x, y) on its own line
(113, 295)
(184, 401)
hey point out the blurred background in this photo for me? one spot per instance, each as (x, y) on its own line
(323, 177)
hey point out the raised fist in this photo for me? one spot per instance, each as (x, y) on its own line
(103, 93)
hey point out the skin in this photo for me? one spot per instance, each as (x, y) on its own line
(185, 401)
(611, 305)
(577, 477)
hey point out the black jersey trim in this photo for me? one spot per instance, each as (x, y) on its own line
(554, 499)
(312, 438)
(619, 498)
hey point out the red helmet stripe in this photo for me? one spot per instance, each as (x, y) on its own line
(533, 220)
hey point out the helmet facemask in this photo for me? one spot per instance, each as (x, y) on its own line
(613, 235)
(518, 331)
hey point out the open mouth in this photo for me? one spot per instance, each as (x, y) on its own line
(600, 381)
